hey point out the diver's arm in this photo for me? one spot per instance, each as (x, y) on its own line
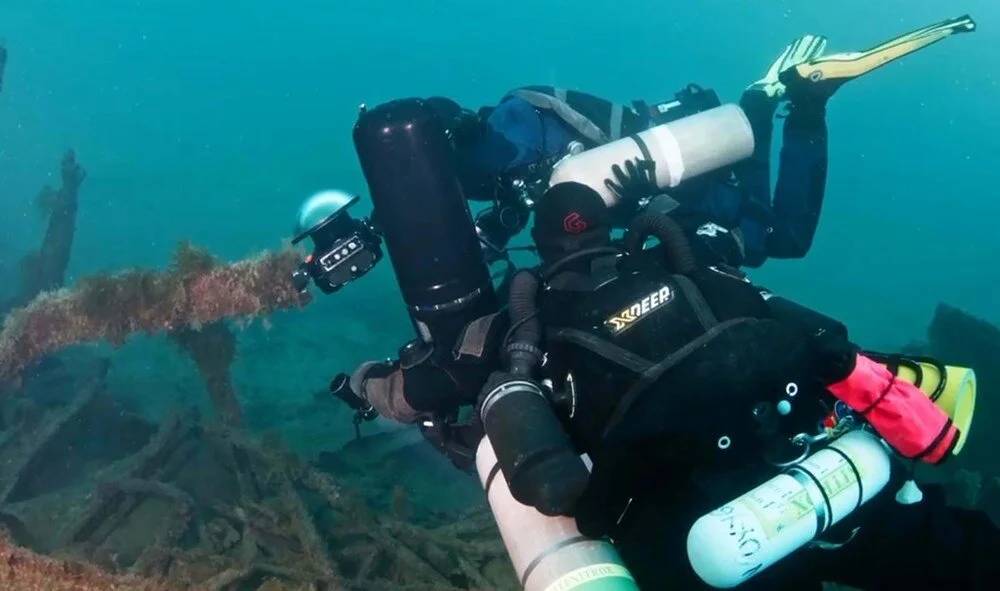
(421, 384)
(405, 394)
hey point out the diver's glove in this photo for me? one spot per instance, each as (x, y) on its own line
(801, 50)
(635, 181)
(340, 388)
(381, 385)
(833, 357)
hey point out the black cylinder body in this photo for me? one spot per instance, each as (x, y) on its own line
(422, 213)
(533, 450)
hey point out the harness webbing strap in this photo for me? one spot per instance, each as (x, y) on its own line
(654, 373)
(583, 125)
(602, 348)
(615, 126)
(694, 296)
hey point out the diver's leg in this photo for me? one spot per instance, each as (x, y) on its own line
(798, 195)
(754, 174)
(759, 101)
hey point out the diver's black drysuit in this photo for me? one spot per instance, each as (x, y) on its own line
(704, 358)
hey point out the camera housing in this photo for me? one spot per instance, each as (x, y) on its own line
(344, 248)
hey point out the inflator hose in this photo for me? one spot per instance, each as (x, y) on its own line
(678, 251)
(526, 329)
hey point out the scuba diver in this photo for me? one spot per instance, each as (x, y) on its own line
(624, 390)
(508, 152)
(687, 386)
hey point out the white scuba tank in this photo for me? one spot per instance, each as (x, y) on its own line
(743, 537)
(682, 149)
(548, 553)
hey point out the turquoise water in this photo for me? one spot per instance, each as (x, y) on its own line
(210, 122)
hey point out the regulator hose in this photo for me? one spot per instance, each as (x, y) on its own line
(677, 249)
(523, 351)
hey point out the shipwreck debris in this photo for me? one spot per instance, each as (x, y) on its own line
(213, 348)
(110, 308)
(45, 269)
(26, 571)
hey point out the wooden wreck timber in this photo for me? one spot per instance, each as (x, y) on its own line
(194, 293)
(207, 506)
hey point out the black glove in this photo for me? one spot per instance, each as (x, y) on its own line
(833, 357)
(607, 496)
(638, 180)
(457, 441)
(340, 387)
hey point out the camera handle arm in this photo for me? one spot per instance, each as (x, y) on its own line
(364, 412)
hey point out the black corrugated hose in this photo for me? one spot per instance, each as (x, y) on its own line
(677, 248)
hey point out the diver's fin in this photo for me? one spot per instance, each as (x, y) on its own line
(802, 50)
(837, 68)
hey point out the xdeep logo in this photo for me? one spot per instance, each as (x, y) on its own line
(627, 318)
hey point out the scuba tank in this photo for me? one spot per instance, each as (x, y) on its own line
(747, 535)
(681, 149)
(548, 553)
(530, 471)
(421, 212)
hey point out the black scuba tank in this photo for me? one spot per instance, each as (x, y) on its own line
(420, 209)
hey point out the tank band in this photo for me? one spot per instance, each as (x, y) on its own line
(489, 479)
(506, 389)
(615, 127)
(642, 147)
(454, 304)
(548, 552)
(808, 482)
(854, 468)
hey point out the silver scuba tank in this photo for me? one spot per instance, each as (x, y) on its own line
(747, 535)
(548, 553)
(681, 149)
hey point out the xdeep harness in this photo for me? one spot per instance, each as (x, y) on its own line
(641, 345)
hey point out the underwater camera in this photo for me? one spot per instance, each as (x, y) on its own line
(343, 248)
